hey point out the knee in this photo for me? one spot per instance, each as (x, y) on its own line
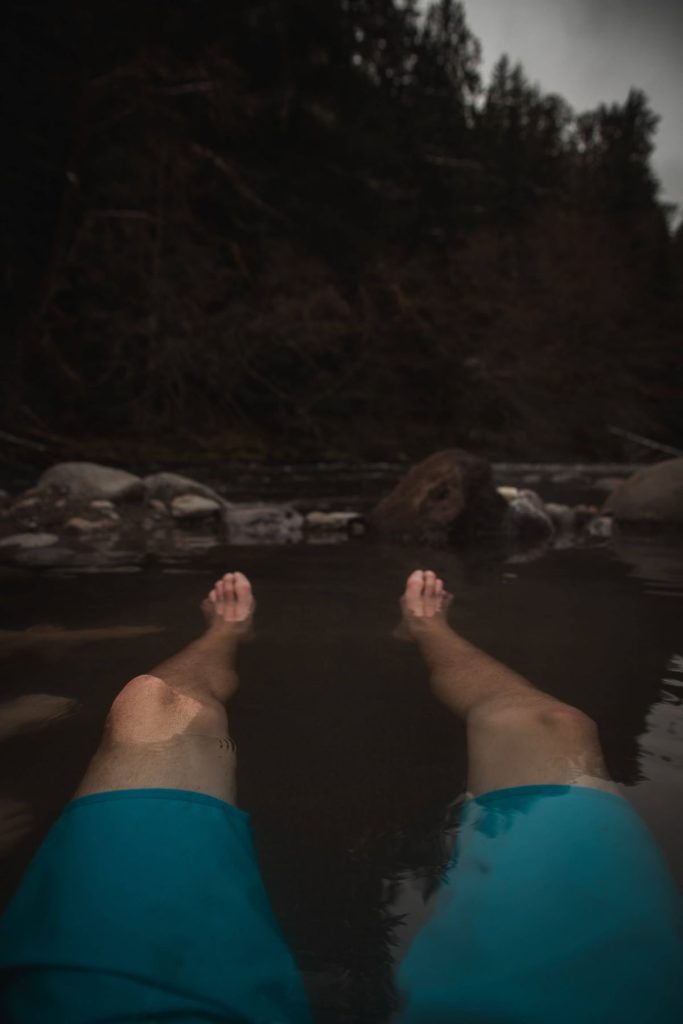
(546, 714)
(149, 710)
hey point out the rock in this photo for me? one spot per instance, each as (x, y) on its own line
(653, 495)
(527, 518)
(26, 504)
(166, 486)
(569, 476)
(79, 524)
(335, 522)
(90, 480)
(272, 523)
(584, 513)
(562, 516)
(447, 496)
(102, 505)
(28, 541)
(158, 507)
(608, 484)
(509, 493)
(193, 506)
(600, 527)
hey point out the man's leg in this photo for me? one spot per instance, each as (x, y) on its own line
(145, 899)
(169, 728)
(516, 734)
(557, 904)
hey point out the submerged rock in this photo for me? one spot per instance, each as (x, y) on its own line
(29, 541)
(446, 496)
(653, 495)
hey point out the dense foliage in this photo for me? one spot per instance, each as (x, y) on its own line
(304, 226)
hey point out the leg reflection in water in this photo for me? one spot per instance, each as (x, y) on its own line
(145, 901)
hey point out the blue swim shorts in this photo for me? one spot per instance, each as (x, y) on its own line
(148, 905)
(557, 908)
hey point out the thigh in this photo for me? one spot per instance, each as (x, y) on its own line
(557, 906)
(159, 736)
(146, 905)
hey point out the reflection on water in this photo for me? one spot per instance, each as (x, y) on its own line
(353, 775)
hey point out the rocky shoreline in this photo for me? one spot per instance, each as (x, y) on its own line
(85, 516)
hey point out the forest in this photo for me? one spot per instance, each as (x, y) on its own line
(299, 229)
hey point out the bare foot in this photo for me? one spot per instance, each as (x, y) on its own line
(230, 604)
(424, 602)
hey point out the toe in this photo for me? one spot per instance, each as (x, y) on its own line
(242, 587)
(438, 586)
(430, 581)
(415, 583)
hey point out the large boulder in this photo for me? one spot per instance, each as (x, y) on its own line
(90, 480)
(448, 496)
(653, 495)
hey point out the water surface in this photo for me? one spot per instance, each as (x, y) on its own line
(351, 771)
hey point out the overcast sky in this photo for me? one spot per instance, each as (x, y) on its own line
(592, 51)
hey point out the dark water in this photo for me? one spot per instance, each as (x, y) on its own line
(351, 771)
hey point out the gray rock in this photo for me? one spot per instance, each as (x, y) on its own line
(166, 486)
(600, 527)
(569, 476)
(29, 541)
(26, 504)
(335, 522)
(102, 505)
(78, 524)
(608, 484)
(563, 517)
(527, 519)
(653, 495)
(584, 513)
(194, 506)
(90, 480)
(270, 523)
(508, 493)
